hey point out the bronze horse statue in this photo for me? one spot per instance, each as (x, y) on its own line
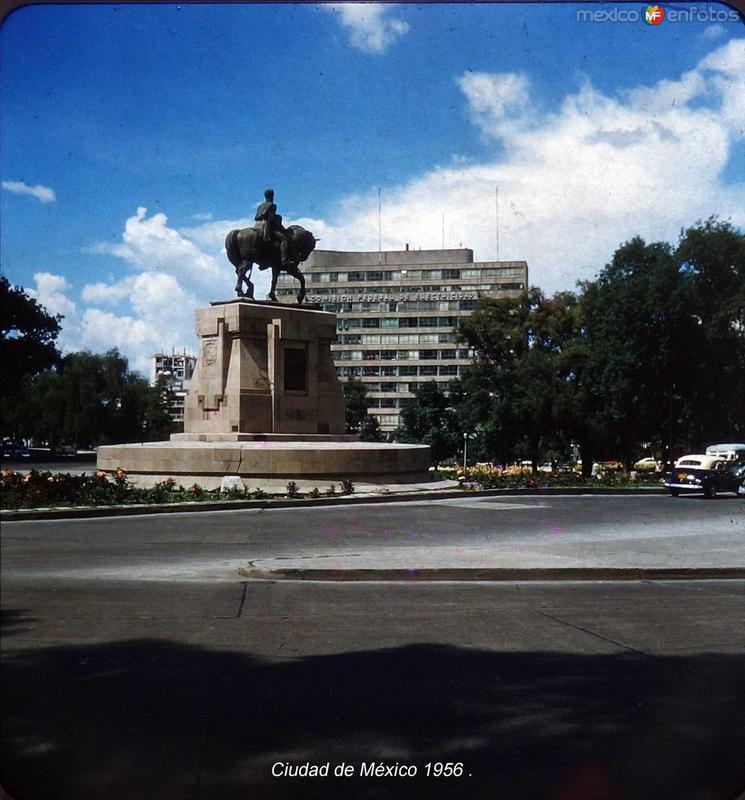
(246, 247)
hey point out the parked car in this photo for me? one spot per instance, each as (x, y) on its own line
(729, 451)
(709, 475)
(15, 450)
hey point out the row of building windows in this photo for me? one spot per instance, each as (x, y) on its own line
(384, 402)
(402, 305)
(373, 387)
(447, 274)
(395, 338)
(399, 355)
(449, 370)
(396, 322)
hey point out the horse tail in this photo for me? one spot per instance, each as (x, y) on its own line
(231, 248)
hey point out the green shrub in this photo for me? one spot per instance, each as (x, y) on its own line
(234, 493)
(160, 493)
(347, 487)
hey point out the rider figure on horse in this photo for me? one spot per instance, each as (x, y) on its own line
(270, 225)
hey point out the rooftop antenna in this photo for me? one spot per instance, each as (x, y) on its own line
(380, 235)
(496, 200)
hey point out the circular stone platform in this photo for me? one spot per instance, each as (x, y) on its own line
(268, 464)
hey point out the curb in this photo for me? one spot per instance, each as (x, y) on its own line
(498, 574)
(86, 512)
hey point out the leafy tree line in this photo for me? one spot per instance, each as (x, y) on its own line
(648, 358)
(80, 399)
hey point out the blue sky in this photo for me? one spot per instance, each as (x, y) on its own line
(134, 137)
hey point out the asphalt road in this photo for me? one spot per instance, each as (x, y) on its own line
(136, 663)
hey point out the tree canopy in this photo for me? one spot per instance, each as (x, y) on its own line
(649, 355)
(28, 336)
(357, 418)
(430, 418)
(91, 399)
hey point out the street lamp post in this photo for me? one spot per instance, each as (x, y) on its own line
(465, 455)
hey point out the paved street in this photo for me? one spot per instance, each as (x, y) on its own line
(137, 663)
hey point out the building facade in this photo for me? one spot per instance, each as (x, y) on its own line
(178, 369)
(397, 312)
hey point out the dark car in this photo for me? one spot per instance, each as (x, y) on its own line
(705, 474)
(15, 450)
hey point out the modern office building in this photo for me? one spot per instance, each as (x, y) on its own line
(178, 368)
(397, 312)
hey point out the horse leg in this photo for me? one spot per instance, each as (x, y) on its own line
(301, 293)
(244, 274)
(271, 296)
(249, 286)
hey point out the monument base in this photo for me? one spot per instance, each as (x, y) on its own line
(265, 405)
(268, 464)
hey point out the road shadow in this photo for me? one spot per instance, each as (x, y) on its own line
(15, 620)
(160, 720)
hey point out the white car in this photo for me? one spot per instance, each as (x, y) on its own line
(729, 452)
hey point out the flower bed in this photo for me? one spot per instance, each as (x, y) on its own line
(484, 476)
(49, 490)
(45, 489)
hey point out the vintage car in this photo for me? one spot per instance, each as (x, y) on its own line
(709, 475)
(729, 452)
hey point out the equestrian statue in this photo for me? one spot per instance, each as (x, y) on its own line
(271, 246)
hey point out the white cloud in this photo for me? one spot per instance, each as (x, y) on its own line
(370, 26)
(42, 193)
(496, 101)
(107, 293)
(161, 318)
(148, 243)
(729, 58)
(713, 31)
(727, 67)
(573, 183)
(136, 338)
(50, 292)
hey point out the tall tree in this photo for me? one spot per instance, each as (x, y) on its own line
(712, 254)
(648, 349)
(89, 399)
(518, 392)
(159, 407)
(358, 420)
(28, 335)
(429, 418)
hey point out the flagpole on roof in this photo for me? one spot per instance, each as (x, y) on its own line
(496, 202)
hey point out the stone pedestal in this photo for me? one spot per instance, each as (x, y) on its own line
(264, 368)
(265, 405)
